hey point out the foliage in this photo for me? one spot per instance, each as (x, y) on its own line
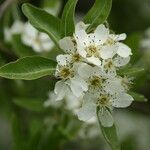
(34, 126)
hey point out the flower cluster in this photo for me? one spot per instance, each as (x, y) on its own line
(37, 40)
(29, 36)
(88, 69)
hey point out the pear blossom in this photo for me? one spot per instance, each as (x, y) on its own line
(111, 65)
(70, 80)
(37, 40)
(114, 46)
(100, 44)
(88, 69)
(97, 80)
(71, 101)
(16, 28)
(89, 45)
(104, 103)
(68, 44)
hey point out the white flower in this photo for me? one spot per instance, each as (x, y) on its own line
(37, 40)
(113, 43)
(70, 80)
(88, 69)
(103, 103)
(89, 45)
(71, 102)
(111, 65)
(68, 44)
(16, 28)
(126, 82)
(81, 26)
(100, 44)
(97, 80)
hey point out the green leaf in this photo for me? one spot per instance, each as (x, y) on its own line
(133, 41)
(110, 135)
(43, 21)
(53, 7)
(28, 68)
(19, 48)
(138, 97)
(17, 132)
(98, 13)
(67, 23)
(29, 104)
(134, 71)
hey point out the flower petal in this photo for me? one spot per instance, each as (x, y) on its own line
(108, 52)
(78, 86)
(30, 31)
(17, 27)
(85, 70)
(122, 100)
(87, 111)
(113, 85)
(105, 117)
(60, 90)
(94, 60)
(101, 34)
(81, 26)
(82, 38)
(63, 59)
(121, 61)
(67, 45)
(123, 50)
(118, 37)
(81, 50)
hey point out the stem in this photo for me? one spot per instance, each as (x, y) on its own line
(4, 6)
(109, 134)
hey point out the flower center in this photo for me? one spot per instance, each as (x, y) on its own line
(92, 50)
(109, 41)
(66, 73)
(103, 101)
(76, 58)
(125, 82)
(95, 81)
(109, 65)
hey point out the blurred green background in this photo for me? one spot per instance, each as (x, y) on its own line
(23, 127)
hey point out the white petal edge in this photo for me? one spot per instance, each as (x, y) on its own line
(121, 61)
(105, 117)
(67, 45)
(63, 59)
(87, 112)
(123, 50)
(122, 100)
(60, 90)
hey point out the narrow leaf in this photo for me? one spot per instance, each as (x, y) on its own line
(43, 21)
(110, 135)
(138, 97)
(28, 68)
(131, 71)
(29, 104)
(98, 13)
(67, 24)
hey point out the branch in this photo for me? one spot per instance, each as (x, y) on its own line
(4, 6)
